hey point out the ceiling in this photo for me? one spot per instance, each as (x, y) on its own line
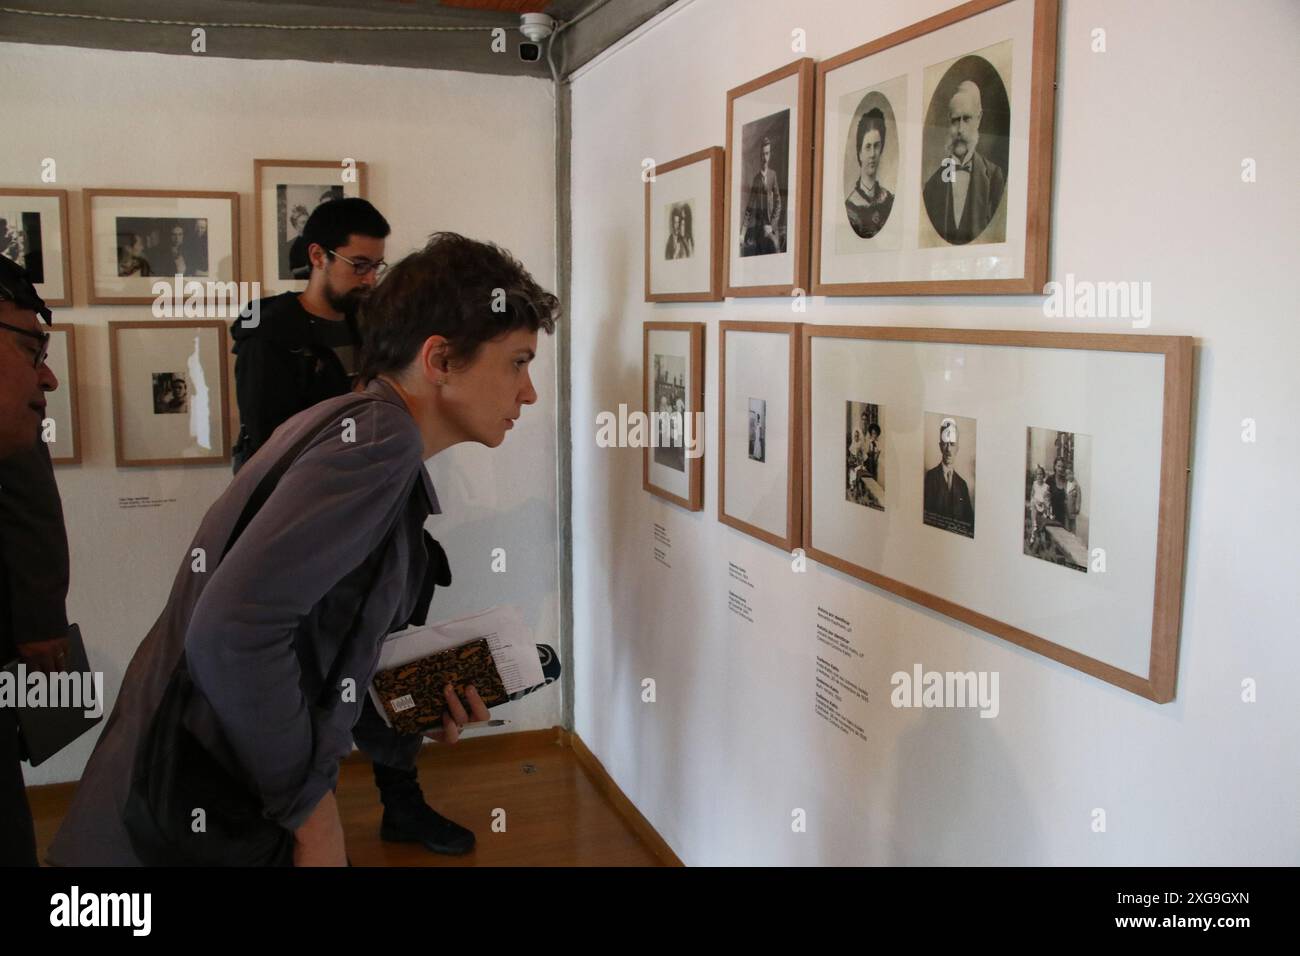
(259, 29)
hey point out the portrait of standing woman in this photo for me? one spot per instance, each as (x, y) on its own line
(240, 677)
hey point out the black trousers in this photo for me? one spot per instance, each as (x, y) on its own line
(382, 743)
(17, 835)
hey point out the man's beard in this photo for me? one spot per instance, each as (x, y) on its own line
(345, 301)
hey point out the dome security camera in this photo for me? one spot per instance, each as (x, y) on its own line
(536, 26)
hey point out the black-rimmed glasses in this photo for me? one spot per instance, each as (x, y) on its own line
(362, 266)
(43, 337)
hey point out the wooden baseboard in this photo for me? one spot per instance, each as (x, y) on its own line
(599, 776)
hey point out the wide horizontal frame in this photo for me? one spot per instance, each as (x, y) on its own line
(1166, 615)
(714, 155)
(695, 389)
(794, 484)
(88, 228)
(1038, 208)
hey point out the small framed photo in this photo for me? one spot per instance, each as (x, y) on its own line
(769, 182)
(759, 431)
(135, 238)
(170, 403)
(934, 156)
(34, 234)
(683, 229)
(672, 465)
(285, 193)
(62, 430)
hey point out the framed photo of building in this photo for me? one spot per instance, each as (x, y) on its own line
(62, 430)
(285, 193)
(1071, 543)
(134, 239)
(683, 229)
(34, 234)
(934, 156)
(759, 431)
(673, 392)
(170, 404)
(769, 182)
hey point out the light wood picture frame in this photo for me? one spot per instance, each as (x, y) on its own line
(135, 238)
(771, 114)
(994, 63)
(684, 228)
(34, 232)
(672, 385)
(773, 434)
(170, 384)
(63, 404)
(1118, 407)
(285, 193)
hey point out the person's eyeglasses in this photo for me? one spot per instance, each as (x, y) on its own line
(43, 337)
(362, 266)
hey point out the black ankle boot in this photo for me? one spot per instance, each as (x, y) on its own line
(408, 819)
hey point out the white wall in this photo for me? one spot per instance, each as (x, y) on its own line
(1149, 140)
(458, 151)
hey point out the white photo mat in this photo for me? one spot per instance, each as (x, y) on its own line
(198, 432)
(59, 404)
(693, 184)
(775, 268)
(676, 343)
(273, 176)
(54, 288)
(758, 366)
(1116, 398)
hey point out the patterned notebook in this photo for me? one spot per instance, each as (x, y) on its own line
(412, 694)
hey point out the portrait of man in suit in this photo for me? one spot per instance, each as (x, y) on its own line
(963, 194)
(949, 503)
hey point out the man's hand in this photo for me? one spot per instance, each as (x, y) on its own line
(455, 717)
(48, 656)
(319, 841)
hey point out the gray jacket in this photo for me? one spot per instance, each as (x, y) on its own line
(262, 628)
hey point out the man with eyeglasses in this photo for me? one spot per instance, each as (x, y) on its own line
(302, 346)
(33, 541)
(302, 350)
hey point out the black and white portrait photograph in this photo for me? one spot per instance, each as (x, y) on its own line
(293, 205)
(681, 236)
(1057, 472)
(20, 241)
(864, 438)
(670, 404)
(764, 161)
(965, 149)
(871, 151)
(170, 393)
(158, 246)
(949, 492)
(758, 429)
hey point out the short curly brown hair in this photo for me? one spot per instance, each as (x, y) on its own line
(467, 291)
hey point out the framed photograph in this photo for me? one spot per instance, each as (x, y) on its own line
(769, 182)
(170, 402)
(285, 193)
(63, 427)
(759, 431)
(1072, 542)
(683, 229)
(34, 234)
(135, 238)
(672, 388)
(934, 156)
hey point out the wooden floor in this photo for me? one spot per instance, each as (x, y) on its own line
(556, 814)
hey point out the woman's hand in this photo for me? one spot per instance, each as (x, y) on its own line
(319, 841)
(454, 717)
